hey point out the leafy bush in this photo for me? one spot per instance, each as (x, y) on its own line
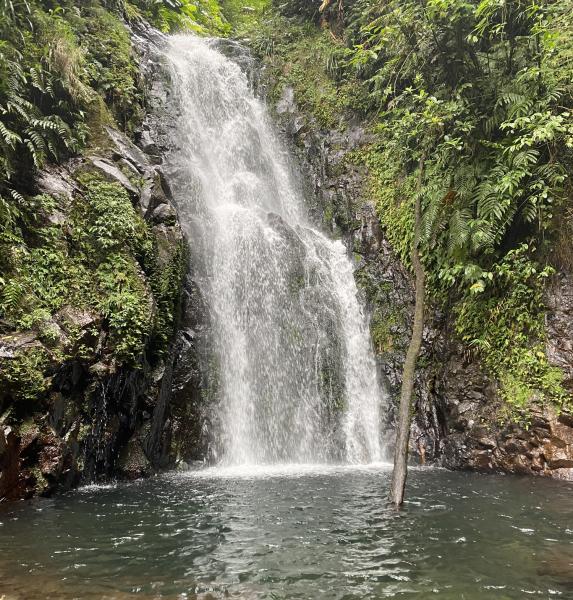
(504, 323)
(126, 304)
(110, 66)
(23, 376)
(111, 222)
(92, 261)
(201, 16)
(42, 92)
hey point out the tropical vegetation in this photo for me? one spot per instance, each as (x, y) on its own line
(482, 92)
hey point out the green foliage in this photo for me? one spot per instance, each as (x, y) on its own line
(92, 261)
(244, 16)
(504, 323)
(110, 234)
(42, 93)
(67, 70)
(381, 328)
(489, 114)
(57, 64)
(41, 273)
(201, 16)
(166, 284)
(394, 203)
(111, 222)
(126, 304)
(23, 376)
(110, 67)
(298, 55)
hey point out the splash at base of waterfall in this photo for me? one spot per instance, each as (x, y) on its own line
(283, 470)
(292, 375)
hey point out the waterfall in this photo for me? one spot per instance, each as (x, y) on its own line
(296, 377)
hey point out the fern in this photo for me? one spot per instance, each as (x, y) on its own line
(11, 297)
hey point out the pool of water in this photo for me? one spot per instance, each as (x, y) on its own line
(313, 533)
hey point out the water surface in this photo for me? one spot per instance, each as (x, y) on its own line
(294, 532)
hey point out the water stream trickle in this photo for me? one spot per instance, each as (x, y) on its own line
(296, 375)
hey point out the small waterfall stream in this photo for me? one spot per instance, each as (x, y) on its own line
(296, 375)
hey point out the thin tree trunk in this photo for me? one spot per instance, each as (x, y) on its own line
(408, 374)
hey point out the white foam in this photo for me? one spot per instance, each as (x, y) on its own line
(252, 471)
(94, 487)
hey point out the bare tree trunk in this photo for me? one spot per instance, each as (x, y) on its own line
(408, 374)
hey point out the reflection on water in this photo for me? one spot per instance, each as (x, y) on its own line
(316, 534)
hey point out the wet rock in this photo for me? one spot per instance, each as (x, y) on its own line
(125, 149)
(486, 441)
(168, 240)
(132, 462)
(56, 181)
(147, 143)
(82, 326)
(155, 193)
(11, 484)
(114, 174)
(286, 103)
(164, 213)
(73, 318)
(546, 449)
(129, 168)
(559, 299)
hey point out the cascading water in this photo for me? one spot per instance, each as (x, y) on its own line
(290, 344)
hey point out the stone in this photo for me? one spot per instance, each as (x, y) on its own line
(12, 344)
(168, 238)
(147, 143)
(486, 441)
(155, 193)
(164, 213)
(71, 318)
(114, 174)
(51, 458)
(11, 483)
(127, 166)
(566, 419)
(559, 300)
(56, 181)
(132, 461)
(127, 150)
(4, 432)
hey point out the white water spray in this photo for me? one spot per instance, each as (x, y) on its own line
(296, 374)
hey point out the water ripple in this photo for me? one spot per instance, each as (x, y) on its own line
(312, 533)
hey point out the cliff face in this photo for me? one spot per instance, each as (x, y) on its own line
(92, 415)
(457, 420)
(86, 379)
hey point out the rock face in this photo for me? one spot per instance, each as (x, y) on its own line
(455, 423)
(185, 399)
(94, 419)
